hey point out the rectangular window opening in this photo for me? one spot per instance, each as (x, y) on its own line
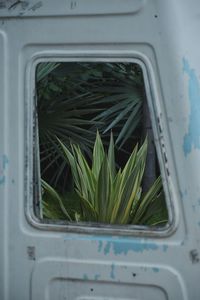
(95, 159)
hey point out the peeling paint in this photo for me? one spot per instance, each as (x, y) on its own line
(124, 247)
(192, 137)
(107, 248)
(121, 245)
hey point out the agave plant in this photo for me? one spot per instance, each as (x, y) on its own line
(105, 194)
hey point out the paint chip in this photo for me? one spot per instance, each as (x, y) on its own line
(192, 137)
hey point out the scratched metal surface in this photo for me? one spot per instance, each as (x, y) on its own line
(11, 8)
(52, 262)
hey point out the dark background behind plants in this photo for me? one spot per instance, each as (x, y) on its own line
(76, 99)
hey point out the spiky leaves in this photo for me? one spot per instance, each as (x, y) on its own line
(111, 196)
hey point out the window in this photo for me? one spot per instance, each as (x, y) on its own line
(95, 160)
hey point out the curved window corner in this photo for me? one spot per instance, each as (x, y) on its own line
(95, 164)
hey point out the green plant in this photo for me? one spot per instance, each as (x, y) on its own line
(74, 99)
(63, 112)
(105, 194)
(123, 91)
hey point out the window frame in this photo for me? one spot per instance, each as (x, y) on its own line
(154, 109)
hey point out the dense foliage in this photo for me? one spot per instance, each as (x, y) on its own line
(82, 182)
(107, 195)
(74, 99)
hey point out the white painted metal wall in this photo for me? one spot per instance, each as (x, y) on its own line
(49, 262)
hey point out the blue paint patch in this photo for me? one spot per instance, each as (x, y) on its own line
(3, 163)
(97, 276)
(112, 273)
(156, 270)
(107, 248)
(120, 247)
(192, 137)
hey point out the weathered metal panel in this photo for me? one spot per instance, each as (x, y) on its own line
(12, 8)
(52, 262)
